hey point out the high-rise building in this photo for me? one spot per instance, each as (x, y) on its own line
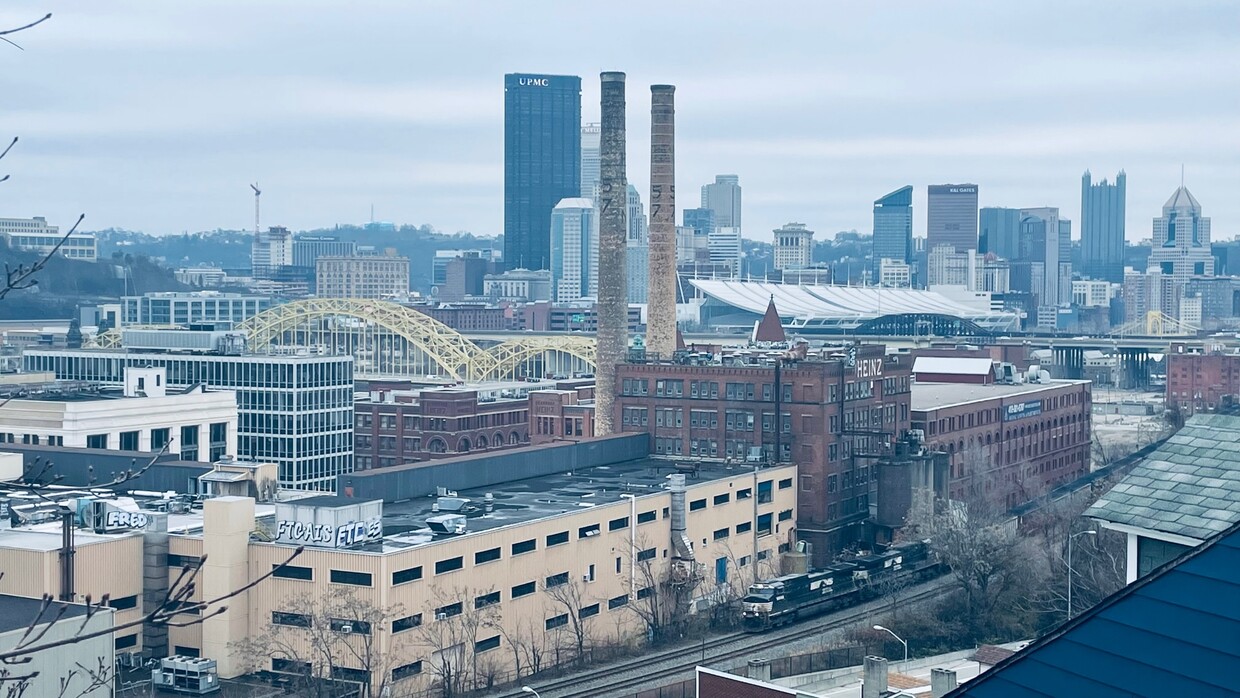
(374, 277)
(308, 248)
(1182, 239)
(1040, 245)
(542, 161)
(1102, 227)
(951, 216)
(590, 134)
(893, 230)
(1000, 232)
(725, 248)
(724, 198)
(794, 246)
(637, 248)
(271, 250)
(702, 222)
(295, 411)
(894, 274)
(574, 250)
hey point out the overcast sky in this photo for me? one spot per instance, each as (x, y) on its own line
(155, 115)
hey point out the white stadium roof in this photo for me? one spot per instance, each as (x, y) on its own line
(844, 306)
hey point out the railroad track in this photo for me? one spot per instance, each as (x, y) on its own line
(669, 665)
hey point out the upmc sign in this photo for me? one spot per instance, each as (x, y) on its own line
(533, 82)
(1021, 410)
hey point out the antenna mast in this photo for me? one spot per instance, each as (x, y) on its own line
(257, 193)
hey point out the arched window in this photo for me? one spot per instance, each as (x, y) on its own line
(463, 445)
(481, 441)
(437, 445)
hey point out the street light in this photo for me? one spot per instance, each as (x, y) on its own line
(1074, 535)
(903, 666)
(527, 689)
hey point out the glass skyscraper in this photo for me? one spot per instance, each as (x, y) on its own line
(1000, 232)
(542, 161)
(951, 216)
(1102, 227)
(893, 229)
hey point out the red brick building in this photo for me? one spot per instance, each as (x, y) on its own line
(837, 416)
(1006, 442)
(563, 414)
(1199, 382)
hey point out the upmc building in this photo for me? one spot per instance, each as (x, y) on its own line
(542, 161)
(951, 216)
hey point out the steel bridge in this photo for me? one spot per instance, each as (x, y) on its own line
(390, 339)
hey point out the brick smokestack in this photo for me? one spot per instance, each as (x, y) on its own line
(613, 306)
(661, 285)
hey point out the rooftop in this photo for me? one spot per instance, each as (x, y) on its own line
(1189, 486)
(935, 396)
(16, 612)
(958, 365)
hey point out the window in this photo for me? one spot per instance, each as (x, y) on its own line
(764, 524)
(785, 515)
(452, 564)
(721, 534)
(744, 527)
(524, 546)
(409, 574)
(488, 644)
(722, 498)
(361, 579)
(764, 492)
(129, 440)
(124, 602)
(617, 524)
(346, 625)
(786, 483)
(556, 580)
(404, 671)
(646, 517)
(647, 554)
(127, 641)
(160, 438)
(557, 538)
(189, 442)
(486, 600)
(744, 494)
(294, 572)
(296, 620)
(587, 531)
(486, 556)
(407, 623)
(452, 609)
(289, 666)
(522, 590)
(587, 611)
(184, 651)
(178, 561)
(100, 441)
(344, 673)
(645, 593)
(697, 504)
(557, 621)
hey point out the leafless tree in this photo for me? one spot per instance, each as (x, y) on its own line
(462, 617)
(570, 598)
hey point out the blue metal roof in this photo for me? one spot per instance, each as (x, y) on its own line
(1174, 632)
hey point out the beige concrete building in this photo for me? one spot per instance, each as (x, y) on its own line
(364, 276)
(459, 587)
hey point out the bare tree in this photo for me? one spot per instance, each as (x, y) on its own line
(663, 597)
(462, 616)
(571, 599)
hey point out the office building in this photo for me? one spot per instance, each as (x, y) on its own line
(637, 248)
(542, 161)
(1093, 294)
(724, 199)
(951, 216)
(893, 230)
(1200, 381)
(374, 277)
(35, 235)
(894, 274)
(947, 267)
(693, 238)
(574, 250)
(308, 248)
(465, 277)
(201, 277)
(295, 411)
(999, 232)
(195, 423)
(439, 263)
(270, 251)
(192, 308)
(518, 285)
(591, 165)
(1182, 239)
(837, 414)
(1102, 227)
(725, 248)
(1040, 245)
(495, 560)
(794, 246)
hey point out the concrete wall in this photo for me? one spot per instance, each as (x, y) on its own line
(482, 470)
(82, 467)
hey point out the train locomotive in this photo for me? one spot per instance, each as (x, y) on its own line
(785, 599)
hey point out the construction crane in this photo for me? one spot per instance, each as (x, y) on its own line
(257, 193)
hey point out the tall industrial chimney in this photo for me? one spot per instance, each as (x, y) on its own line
(613, 306)
(661, 285)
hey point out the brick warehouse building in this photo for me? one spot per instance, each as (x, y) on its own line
(1007, 443)
(1201, 382)
(838, 417)
(435, 424)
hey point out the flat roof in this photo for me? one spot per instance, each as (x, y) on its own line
(16, 612)
(404, 523)
(936, 396)
(953, 364)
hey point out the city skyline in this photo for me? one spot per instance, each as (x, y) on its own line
(153, 151)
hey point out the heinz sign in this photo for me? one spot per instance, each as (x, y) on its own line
(1021, 410)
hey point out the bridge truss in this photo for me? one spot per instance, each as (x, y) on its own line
(1156, 324)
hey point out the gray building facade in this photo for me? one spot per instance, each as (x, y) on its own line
(1102, 227)
(951, 216)
(724, 198)
(893, 229)
(999, 232)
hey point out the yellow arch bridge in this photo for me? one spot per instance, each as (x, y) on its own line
(391, 339)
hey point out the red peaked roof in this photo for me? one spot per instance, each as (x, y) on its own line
(770, 328)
